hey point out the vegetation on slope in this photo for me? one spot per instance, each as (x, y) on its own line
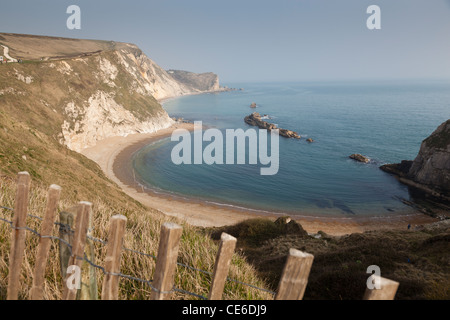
(418, 259)
(440, 139)
(33, 47)
(142, 234)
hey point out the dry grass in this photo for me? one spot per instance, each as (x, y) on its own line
(196, 250)
(418, 259)
(31, 47)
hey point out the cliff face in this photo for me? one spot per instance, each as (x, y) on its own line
(156, 80)
(430, 171)
(196, 82)
(432, 165)
(82, 97)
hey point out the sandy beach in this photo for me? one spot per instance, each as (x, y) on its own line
(114, 155)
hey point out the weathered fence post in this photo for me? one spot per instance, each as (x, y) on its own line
(79, 240)
(166, 261)
(37, 289)
(18, 234)
(221, 266)
(89, 290)
(387, 291)
(66, 221)
(295, 276)
(110, 289)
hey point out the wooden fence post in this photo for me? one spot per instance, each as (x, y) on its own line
(37, 289)
(166, 261)
(79, 240)
(110, 289)
(387, 291)
(221, 266)
(89, 289)
(66, 220)
(295, 276)
(18, 234)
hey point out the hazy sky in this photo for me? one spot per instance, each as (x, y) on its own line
(260, 40)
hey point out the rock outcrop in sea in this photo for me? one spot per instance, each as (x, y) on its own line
(255, 120)
(430, 171)
(360, 158)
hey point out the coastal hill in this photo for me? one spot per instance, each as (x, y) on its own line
(430, 170)
(82, 91)
(90, 90)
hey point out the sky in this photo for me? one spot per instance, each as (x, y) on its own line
(260, 40)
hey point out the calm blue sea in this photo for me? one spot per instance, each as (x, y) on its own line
(385, 121)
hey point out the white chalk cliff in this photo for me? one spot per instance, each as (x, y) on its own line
(101, 116)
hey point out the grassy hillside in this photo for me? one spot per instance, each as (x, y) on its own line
(31, 47)
(419, 260)
(142, 234)
(31, 116)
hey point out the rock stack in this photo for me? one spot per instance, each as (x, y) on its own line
(255, 120)
(430, 171)
(359, 157)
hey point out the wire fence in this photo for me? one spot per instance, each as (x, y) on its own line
(291, 286)
(65, 228)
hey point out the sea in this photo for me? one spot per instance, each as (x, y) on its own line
(385, 120)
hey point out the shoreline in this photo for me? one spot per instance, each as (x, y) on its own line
(114, 155)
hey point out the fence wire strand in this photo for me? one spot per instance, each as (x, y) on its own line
(67, 229)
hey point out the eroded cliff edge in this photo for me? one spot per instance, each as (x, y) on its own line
(430, 170)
